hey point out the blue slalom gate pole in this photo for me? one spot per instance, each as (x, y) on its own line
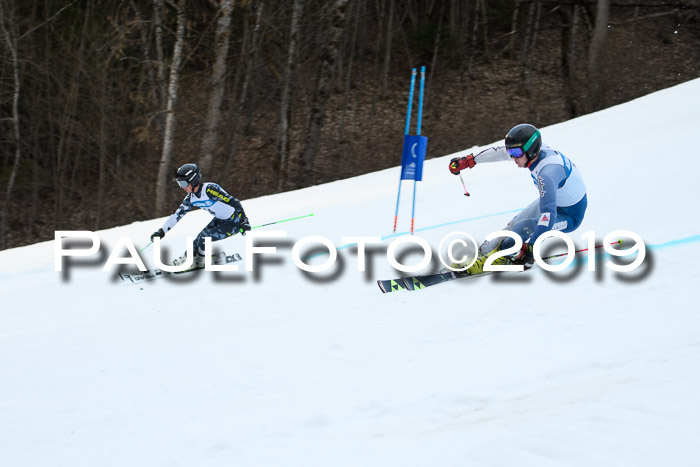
(410, 102)
(420, 99)
(408, 126)
(420, 117)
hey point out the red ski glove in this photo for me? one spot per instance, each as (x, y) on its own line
(460, 163)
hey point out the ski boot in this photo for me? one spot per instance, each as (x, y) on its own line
(478, 266)
(197, 263)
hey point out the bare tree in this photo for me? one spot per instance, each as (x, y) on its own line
(216, 93)
(484, 28)
(600, 31)
(433, 61)
(283, 151)
(9, 36)
(169, 135)
(102, 143)
(329, 54)
(453, 15)
(472, 54)
(250, 52)
(528, 46)
(348, 79)
(387, 48)
(67, 117)
(146, 45)
(158, 8)
(569, 57)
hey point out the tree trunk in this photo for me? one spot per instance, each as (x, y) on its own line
(283, 151)
(68, 122)
(387, 49)
(433, 62)
(377, 70)
(164, 172)
(513, 28)
(146, 44)
(10, 39)
(329, 56)
(595, 75)
(348, 79)
(526, 51)
(251, 53)
(102, 170)
(216, 93)
(160, 55)
(484, 29)
(569, 63)
(453, 14)
(472, 54)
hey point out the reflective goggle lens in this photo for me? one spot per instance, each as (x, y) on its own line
(516, 152)
(182, 183)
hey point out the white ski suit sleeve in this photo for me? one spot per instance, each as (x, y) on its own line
(494, 154)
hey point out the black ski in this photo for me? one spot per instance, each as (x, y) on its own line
(421, 282)
(141, 276)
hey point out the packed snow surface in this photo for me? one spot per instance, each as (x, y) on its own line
(280, 367)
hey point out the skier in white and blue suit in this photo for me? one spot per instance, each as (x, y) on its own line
(561, 204)
(229, 217)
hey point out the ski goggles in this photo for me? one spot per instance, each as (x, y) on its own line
(182, 183)
(515, 152)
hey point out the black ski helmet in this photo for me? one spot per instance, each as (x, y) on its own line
(527, 138)
(188, 173)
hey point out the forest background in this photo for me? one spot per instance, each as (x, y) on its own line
(102, 100)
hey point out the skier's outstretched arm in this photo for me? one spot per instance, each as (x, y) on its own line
(174, 218)
(493, 154)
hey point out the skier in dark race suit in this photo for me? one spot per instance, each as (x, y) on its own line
(229, 217)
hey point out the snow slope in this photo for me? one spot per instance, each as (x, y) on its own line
(282, 368)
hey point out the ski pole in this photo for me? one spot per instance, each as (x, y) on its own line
(261, 225)
(581, 251)
(285, 220)
(466, 193)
